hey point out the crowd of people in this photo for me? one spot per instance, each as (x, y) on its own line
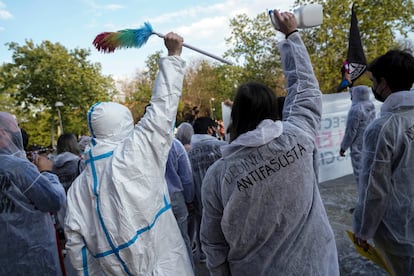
(137, 199)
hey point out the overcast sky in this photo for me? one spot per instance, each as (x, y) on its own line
(75, 23)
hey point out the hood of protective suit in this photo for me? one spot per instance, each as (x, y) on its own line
(266, 131)
(360, 93)
(110, 121)
(11, 137)
(62, 159)
(397, 100)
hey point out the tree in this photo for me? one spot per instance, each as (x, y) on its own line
(207, 85)
(41, 75)
(255, 47)
(380, 24)
(140, 88)
(7, 103)
(203, 81)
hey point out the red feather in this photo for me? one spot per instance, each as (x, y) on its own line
(105, 42)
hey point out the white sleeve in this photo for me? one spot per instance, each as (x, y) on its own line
(303, 103)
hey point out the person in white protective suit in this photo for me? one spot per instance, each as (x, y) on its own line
(361, 113)
(205, 150)
(119, 219)
(263, 214)
(385, 209)
(27, 196)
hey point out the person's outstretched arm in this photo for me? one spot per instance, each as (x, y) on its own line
(156, 127)
(303, 103)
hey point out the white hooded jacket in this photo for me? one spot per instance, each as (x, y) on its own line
(361, 113)
(119, 219)
(385, 208)
(27, 234)
(263, 214)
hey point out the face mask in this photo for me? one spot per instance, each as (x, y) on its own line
(377, 96)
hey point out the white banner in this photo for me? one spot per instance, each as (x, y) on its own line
(331, 132)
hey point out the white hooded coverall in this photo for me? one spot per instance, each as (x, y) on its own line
(361, 113)
(119, 219)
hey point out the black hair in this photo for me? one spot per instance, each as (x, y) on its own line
(254, 102)
(202, 124)
(67, 142)
(396, 67)
(280, 104)
(25, 138)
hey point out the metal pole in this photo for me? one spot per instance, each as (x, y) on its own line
(200, 51)
(53, 132)
(60, 121)
(212, 108)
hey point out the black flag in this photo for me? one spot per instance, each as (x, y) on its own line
(355, 64)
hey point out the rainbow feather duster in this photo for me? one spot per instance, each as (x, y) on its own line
(107, 42)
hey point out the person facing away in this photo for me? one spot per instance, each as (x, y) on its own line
(67, 164)
(27, 196)
(385, 208)
(262, 211)
(119, 219)
(205, 150)
(184, 133)
(180, 187)
(360, 115)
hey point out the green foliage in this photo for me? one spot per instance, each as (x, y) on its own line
(139, 90)
(255, 46)
(203, 81)
(41, 75)
(380, 24)
(206, 85)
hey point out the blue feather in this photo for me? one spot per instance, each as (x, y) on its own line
(142, 34)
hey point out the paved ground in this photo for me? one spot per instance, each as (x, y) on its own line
(339, 196)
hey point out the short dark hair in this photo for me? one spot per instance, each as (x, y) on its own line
(280, 104)
(253, 103)
(202, 124)
(396, 67)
